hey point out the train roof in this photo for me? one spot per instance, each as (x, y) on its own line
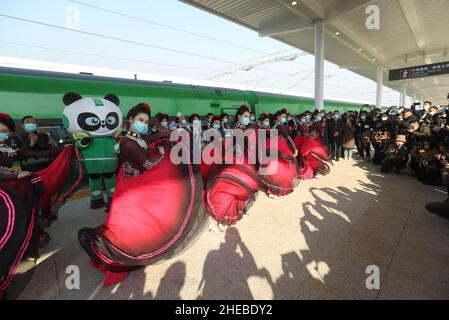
(93, 77)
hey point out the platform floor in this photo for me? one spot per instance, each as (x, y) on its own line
(313, 244)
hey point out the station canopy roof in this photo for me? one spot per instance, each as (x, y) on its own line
(412, 33)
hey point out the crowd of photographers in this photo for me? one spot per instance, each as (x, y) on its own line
(400, 138)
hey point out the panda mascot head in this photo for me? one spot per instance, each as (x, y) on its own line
(94, 116)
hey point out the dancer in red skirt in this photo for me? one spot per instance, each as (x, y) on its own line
(25, 202)
(231, 188)
(281, 173)
(156, 210)
(16, 228)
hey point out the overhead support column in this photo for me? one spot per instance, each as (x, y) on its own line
(380, 84)
(319, 64)
(404, 95)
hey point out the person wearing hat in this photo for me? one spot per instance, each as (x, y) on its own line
(135, 152)
(396, 155)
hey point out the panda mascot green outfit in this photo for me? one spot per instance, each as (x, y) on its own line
(93, 123)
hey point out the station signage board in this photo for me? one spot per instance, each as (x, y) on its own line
(428, 70)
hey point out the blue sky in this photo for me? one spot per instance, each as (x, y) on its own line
(339, 83)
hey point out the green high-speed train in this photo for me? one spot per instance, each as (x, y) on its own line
(39, 93)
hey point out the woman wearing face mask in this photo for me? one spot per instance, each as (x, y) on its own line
(231, 188)
(323, 130)
(162, 122)
(280, 119)
(134, 147)
(315, 126)
(156, 210)
(281, 174)
(264, 121)
(303, 126)
(32, 140)
(216, 125)
(242, 118)
(309, 143)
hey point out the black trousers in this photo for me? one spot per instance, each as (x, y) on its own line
(335, 144)
(363, 147)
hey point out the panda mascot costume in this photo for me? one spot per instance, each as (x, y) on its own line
(94, 122)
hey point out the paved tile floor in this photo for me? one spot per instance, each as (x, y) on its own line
(313, 244)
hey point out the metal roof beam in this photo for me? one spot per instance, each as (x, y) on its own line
(411, 14)
(419, 54)
(343, 7)
(311, 10)
(303, 9)
(409, 9)
(283, 26)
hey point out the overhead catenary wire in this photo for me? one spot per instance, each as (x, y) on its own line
(170, 27)
(116, 39)
(100, 55)
(131, 42)
(166, 26)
